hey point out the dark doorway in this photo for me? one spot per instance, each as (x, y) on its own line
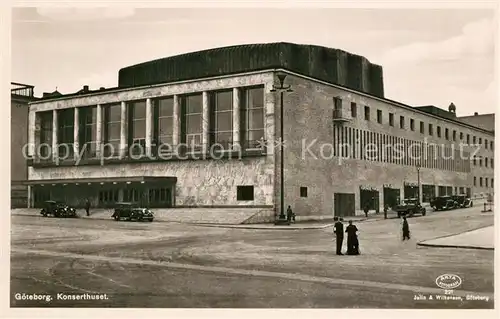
(411, 191)
(391, 196)
(344, 204)
(428, 193)
(370, 198)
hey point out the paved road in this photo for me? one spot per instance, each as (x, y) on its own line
(171, 265)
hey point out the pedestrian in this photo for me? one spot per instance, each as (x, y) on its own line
(352, 239)
(366, 210)
(289, 214)
(87, 207)
(406, 229)
(338, 230)
(386, 208)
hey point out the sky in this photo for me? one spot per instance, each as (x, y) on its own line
(429, 56)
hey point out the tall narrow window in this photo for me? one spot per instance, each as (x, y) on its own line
(367, 113)
(391, 119)
(164, 112)
(412, 124)
(222, 119)
(422, 127)
(354, 110)
(191, 124)
(65, 132)
(438, 131)
(252, 117)
(45, 134)
(137, 131)
(112, 118)
(446, 133)
(379, 116)
(431, 130)
(401, 122)
(88, 131)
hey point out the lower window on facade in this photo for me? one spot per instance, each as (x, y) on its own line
(303, 192)
(428, 192)
(160, 197)
(40, 196)
(244, 193)
(131, 195)
(108, 197)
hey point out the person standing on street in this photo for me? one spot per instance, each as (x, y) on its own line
(338, 230)
(87, 207)
(406, 229)
(289, 214)
(352, 239)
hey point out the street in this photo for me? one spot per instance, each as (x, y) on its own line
(174, 265)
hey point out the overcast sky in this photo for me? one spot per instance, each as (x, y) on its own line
(429, 56)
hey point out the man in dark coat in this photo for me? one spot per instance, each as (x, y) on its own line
(366, 209)
(338, 230)
(87, 207)
(289, 214)
(352, 239)
(406, 229)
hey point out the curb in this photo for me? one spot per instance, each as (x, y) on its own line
(423, 244)
(455, 246)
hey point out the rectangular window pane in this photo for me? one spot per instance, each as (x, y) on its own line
(224, 101)
(256, 119)
(139, 110)
(139, 128)
(256, 135)
(224, 138)
(224, 121)
(165, 125)
(194, 103)
(255, 98)
(193, 124)
(113, 131)
(166, 107)
(166, 139)
(114, 113)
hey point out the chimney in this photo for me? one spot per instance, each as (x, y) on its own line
(476, 114)
(46, 94)
(102, 88)
(85, 88)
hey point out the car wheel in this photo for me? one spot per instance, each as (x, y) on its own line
(117, 218)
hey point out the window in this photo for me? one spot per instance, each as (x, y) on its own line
(412, 124)
(112, 119)
(461, 135)
(303, 192)
(401, 122)
(45, 134)
(492, 183)
(480, 141)
(474, 160)
(108, 197)
(481, 161)
(379, 116)
(485, 162)
(468, 139)
(88, 133)
(132, 195)
(164, 112)
(485, 143)
(486, 181)
(431, 130)
(367, 113)
(391, 119)
(422, 127)
(454, 135)
(354, 110)
(438, 131)
(222, 118)
(475, 181)
(480, 182)
(244, 192)
(474, 140)
(160, 197)
(252, 117)
(65, 132)
(191, 124)
(491, 145)
(491, 162)
(446, 134)
(137, 122)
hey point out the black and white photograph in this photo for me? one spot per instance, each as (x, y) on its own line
(258, 157)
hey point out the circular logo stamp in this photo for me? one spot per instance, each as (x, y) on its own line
(448, 281)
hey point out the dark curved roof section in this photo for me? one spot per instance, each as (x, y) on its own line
(326, 64)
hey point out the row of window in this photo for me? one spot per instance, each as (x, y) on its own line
(430, 127)
(220, 121)
(479, 161)
(353, 143)
(491, 184)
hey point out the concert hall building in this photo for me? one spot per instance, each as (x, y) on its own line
(202, 129)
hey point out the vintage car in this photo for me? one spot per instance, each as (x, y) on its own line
(462, 201)
(57, 209)
(132, 211)
(443, 203)
(409, 207)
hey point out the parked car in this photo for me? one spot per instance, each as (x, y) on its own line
(462, 201)
(443, 203)
(409, 207)
(131, 211)
(57, 209)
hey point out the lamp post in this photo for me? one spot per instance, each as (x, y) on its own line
(281, 88)
(418, 182)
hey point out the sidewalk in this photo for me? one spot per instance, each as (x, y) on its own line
(482, 238)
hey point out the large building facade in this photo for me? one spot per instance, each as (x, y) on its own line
(21, 95)
(208, 135)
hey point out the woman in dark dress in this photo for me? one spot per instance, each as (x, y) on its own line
(352, 239)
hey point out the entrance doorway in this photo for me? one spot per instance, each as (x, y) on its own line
(411, 191)
(370, 198)
(391, 196)
(344, 204)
